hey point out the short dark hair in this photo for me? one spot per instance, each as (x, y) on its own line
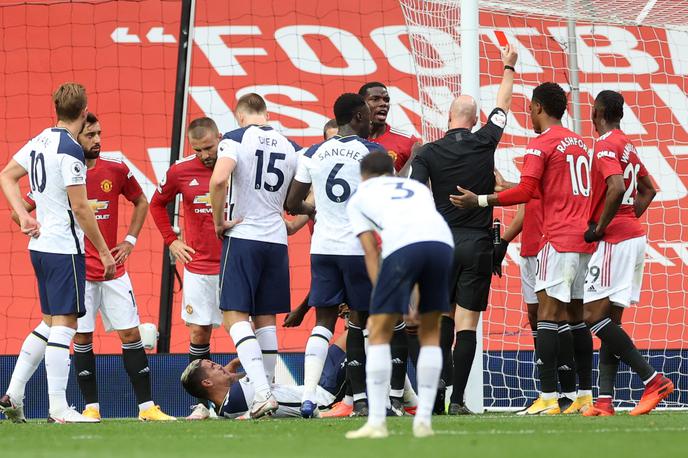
(552, 98)
(363, 91)
(91, 118)
(331, 124)
(346, 106)
(192, 379)
(611, 103)
(200, 126)
(251, 103)
(377, 163)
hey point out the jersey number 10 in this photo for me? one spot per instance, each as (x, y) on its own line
(37, 172)
(579, 169)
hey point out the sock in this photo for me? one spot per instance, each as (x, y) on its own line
(356, 361)
(136, 364)
(314, 360)
(249, 353)
(609, 366)
(534, 333)
(94, 405)
(429, 370)
(30, 356)
(446, 342)
(410, 398)
(582, 347)
(85, 368)
(547, 351)
(199, 351)
(399, 349)
(621, 345)
(566, 365)
(464, 352)
(57, 367)
(378, 374)
(413, 344)
(267, 339)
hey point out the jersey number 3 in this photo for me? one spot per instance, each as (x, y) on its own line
(274, 157)
(37, 172)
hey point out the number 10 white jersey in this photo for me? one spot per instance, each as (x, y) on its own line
(54, 160)
(333, 168)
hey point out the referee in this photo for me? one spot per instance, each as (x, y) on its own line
(466, 158)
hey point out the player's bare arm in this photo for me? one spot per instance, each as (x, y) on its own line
(612, 201)
(87, 220)
(29, 208)
(372, 254)
(501, 184)
(516, 225)
(645, 193)
(218, 194)
(9, 180)
(506, 87)
(296, 199)
(123, 249)
(406, 169)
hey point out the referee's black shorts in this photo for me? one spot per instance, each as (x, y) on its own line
(472, 270)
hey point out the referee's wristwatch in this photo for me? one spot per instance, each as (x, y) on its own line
(510, 67)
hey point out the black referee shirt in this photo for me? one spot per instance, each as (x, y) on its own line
(466, 159)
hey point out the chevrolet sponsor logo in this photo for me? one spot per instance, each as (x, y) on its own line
(97, 206)
(203, 199)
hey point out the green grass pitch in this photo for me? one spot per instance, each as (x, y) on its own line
(661, 434)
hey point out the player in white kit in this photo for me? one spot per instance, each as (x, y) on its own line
(338, 272)
(254, 267)
(417, 249)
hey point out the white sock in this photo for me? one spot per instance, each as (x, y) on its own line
(146, 405)
(314, 360)
(378, 375)
(348, 400)
(548, 396)
(267, 339)
(428, 371)
(57, 367)
(249, 353)
(95, 405)
(30, 356)
(410, 398)
(584, 393)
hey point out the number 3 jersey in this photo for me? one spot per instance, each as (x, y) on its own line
(333, 169)
(559, 159)
(54, 160)
(265, 165)
(615, 155)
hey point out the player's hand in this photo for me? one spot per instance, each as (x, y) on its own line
(509, 55)
(467, 199)
(181, 251)
(30, 226)
(225, 226)
(122, 251)
(592, 235)
(498, 257)
(343, 311)
(500, 183)
(109, 265)
(295, 317)
(233, 365)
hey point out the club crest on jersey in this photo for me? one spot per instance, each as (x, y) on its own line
(106, 185)
(189, 309)
(203, 199)
(97, 206)
(392, 154)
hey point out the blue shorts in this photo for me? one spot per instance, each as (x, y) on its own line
(426, 263)
(254, 277)
(339, 279)
(61, 282)
(334, 371)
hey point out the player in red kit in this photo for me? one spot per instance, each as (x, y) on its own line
(199, 251)
(556, 166)
(621, 192)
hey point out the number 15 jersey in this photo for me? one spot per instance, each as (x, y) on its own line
(333, 168)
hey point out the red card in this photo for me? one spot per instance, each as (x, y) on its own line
(501, 38)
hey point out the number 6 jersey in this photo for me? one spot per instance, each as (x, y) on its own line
(333, 168)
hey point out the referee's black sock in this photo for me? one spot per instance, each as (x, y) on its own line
(85, 367)
(609, 366)
(566, 365)
(582, 346)
(621, 345)
(413, 344)
(199, 351)
(399, 350)
(464, 352)
(446, 342)
(356, 361)
(136, 364)
(547, 351)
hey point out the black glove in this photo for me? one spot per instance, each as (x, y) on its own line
(590, 235)
(498, 256)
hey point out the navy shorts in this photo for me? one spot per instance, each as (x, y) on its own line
(61, 282)
(334, 371)
(339, 279)
(426, 263)
(254, 277)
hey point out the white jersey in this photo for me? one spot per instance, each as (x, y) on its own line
(54, 160)
(333, 168)
(401, 210)
(265, 164)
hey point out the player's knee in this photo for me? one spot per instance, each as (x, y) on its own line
(326, 317)
(199, 335)
(83, 338)
(129, 335)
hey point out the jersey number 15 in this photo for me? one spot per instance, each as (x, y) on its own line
(274, 157)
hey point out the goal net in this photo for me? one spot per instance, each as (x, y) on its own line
(639, 48)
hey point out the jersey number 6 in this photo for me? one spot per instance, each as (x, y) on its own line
(332, 180)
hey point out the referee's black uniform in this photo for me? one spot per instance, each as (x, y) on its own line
(466, 159)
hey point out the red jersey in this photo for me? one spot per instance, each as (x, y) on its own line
(531, 232)
(398, 145)
(558, 159)
(615, 155)
(190, 178)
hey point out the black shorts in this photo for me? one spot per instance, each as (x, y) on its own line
(472, 269)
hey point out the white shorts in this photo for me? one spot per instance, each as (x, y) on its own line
(114, 299)
(289, 399)
(561, 275)
(615, 271)
(201, 299)
(528, 270)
